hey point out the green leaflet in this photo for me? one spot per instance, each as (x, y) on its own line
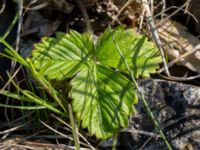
(142, 56)
(63, 56)
(103, 98)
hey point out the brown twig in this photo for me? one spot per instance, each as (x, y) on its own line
(58, 132)
(145, 143)
(197, 47)
(151, 134)
(163, 8)
(169, 16)
(85, 15)
(178, 9)
(180, 78)
(68, 126)
(120, 11)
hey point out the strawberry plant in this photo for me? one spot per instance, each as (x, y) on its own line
(102, 96)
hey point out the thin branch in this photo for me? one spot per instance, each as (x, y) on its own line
(85, 15)
(178, 9)
(163, 8)
(170, 64)
(151, 134)
(180, 78)
(120, 11)
(169, 16)
(63, 122)
(141, 20)
(56, 131)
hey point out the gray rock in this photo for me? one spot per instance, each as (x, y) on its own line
(177, 108)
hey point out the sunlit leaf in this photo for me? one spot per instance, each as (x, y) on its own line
(102, 97)
(63, 56)
(141, 55)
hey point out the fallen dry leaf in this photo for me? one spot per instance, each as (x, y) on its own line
(177, 41)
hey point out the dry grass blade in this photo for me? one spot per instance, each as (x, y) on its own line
(120, 11)
(11, 78)
(37, 7)
(154, 135)
(13, 129)
(163, 8)
(180, 78)
(16, 139)
(64, 135)
(175, 12)
(20, 21)
(6, 146)
(170, 64)
(3, 6)
(62, 121)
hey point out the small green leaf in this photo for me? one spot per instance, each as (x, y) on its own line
(141, 55)
(63, 56)
(102, 97)
(103, 100)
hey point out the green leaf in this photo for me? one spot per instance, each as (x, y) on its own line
(141, 55)
(103, 99)
(63, 56)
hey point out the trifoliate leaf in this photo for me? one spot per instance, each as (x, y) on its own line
(141, 55)
(102, 97)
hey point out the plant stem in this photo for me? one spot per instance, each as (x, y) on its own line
(146, 106)
(115, 138)
(74, 129)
